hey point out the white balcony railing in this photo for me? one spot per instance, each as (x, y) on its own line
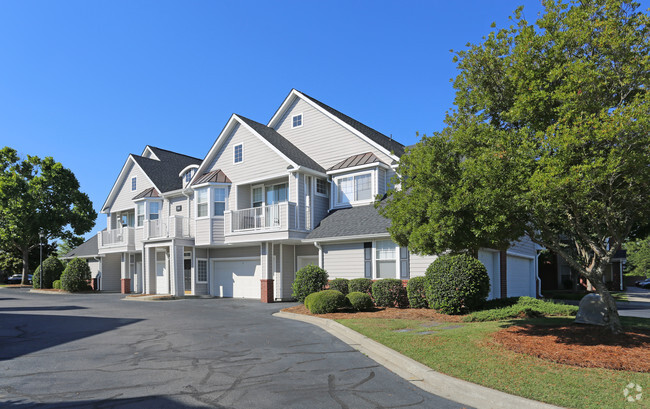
(122, 236)
(174, 227)
(279, 216)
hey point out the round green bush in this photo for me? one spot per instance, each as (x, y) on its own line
(360, 301)
(456, 284)
(56, 284)
(309, 279)
(53, 269)
(76, 275)
(340, 284)
(389, 292)
(325, 301)
(360, 285)
(416, 292)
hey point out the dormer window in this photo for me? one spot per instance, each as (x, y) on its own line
(188, 176)
(238, 153)
(133, 184)
(296, 121)
(353, 189)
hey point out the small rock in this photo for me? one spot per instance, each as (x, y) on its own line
(592, 310)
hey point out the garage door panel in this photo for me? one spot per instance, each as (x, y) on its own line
(519, 276)
(236, 278)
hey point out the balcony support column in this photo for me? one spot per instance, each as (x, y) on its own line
(266, 254)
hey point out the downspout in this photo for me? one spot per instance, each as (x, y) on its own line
(99, 276)
(320, 254)
(538, 281)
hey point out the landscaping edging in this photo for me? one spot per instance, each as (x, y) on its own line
(422, 376)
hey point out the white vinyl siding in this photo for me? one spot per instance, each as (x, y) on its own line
(317, 131)
(343, 260)
(124, 197)
(263, 160)
(217, 230)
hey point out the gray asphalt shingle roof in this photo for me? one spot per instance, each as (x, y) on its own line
(89, 248)
(283, 145)
(383, 140)
(164, 172)
(353, 221)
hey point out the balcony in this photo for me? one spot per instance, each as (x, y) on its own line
(276, 217)
(120, 237)
(175, 227)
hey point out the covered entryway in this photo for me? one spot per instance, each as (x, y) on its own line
(236, 278)
(520, 277)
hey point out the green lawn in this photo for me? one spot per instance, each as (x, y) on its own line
(468, 353)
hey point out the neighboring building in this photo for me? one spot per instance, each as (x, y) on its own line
(265, 201)
(556, 274)
(89, 251)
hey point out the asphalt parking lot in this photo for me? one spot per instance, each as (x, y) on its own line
(97, 350)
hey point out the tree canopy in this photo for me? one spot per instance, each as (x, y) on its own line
(638, 257)
(39, 196)
(549, 138)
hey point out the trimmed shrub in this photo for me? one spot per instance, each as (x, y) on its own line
(325, 301)
(76, 275)
(389, 292)
(309, 279)
(524, 307)
(416, 292)
(360, 301)
(53, 270)
(361, 285)
(340, 284)
(457, 284)
(56, 285)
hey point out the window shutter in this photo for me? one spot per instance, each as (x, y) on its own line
(367, 259)
(404, 272)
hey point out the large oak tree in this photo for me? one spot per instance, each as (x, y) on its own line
(549, 138)
(39, 196)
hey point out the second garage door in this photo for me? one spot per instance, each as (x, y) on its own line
(520, 277)
(236, 278)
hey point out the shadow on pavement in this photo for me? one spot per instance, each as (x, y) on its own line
(158, 402)
(56, 308)
(23, 334)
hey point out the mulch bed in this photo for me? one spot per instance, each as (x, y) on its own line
(580, 345)
(385, 313)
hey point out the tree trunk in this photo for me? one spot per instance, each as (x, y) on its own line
(25, 266)
(612, 318)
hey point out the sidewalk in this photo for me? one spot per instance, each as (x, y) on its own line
(422, 376)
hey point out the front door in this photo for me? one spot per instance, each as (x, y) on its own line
(187, 271)
(162, 280)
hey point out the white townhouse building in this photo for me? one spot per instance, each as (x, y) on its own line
(265, 201)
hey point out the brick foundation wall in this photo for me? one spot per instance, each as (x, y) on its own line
(125, 285)
(267, 290)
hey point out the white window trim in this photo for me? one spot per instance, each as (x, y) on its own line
(263, 194)
(144, 215)
(207, 270)
(196, 206)
(302, 120)
(234, 153)
(316, 179)
(225, 201)
(375, 259)
(134, 186)
(335, 189)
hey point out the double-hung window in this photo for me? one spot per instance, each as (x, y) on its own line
(386, 259)
(202, 202)
(219, 200)
(133, 183)
(139, 208)
(154, 210)
(238, 153)
(258, 196)
(357, 188)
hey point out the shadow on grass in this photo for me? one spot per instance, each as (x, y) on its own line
(158, 402)
(24, 334)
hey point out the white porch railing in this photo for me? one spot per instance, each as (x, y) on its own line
(279, 216)
(123, 236)
(174, 227)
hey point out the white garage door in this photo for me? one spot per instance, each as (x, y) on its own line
(520, 274)
(236, 278)
(490, 260)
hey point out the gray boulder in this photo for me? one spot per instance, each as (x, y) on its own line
(592, 310)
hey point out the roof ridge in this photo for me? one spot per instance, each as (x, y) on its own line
(175, 153)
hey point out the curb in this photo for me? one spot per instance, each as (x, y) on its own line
(150, 298)
(422, 376)
(37, 291)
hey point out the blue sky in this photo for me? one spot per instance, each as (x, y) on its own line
(89, 82)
